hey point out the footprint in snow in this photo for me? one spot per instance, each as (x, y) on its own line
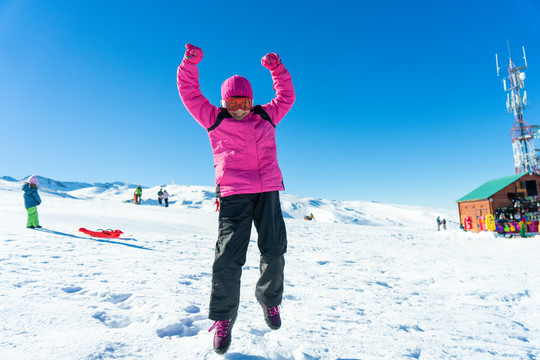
(71, 289)
(415, 354)
(408, 328)
(107, 351)
(259, 332)
(116, 298)
(192, 309)
(183, 328)
(380, 283)
(112, 321)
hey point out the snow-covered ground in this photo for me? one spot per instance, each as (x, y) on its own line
(364, 281)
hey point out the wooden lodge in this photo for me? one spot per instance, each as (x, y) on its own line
(510, 200)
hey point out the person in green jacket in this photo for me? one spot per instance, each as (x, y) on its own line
(138, 194)
(31, 201)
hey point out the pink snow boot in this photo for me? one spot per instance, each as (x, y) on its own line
(271, 316)
(222, 336)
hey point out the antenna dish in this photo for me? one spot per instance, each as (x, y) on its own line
(520, 82)
(522, 76)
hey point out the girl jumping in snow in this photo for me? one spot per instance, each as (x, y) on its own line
(248, 181)
(31, 201)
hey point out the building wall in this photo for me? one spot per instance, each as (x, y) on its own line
(474, 209)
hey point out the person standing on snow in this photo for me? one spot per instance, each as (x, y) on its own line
(160, 196)
(248, 181)
(166, 197)
(31, 201)
(138, 194)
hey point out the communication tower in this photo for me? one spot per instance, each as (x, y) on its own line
(522, 133)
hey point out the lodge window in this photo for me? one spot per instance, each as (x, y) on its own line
(532, 189)
(526, 188)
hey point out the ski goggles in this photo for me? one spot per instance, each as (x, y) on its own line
(236, 103)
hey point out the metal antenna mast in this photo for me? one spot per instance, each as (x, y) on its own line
(522, 133)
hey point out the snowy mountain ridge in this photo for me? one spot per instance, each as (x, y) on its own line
(367, 213)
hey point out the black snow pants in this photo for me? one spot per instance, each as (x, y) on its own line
(237, 213)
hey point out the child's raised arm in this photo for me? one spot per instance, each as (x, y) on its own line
(284, 100)
(188, 86)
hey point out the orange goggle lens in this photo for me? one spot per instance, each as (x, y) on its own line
(243, 103)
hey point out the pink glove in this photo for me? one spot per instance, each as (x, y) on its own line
(193, 54)
(271, 61)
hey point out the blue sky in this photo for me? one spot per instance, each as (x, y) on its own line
(397, 102)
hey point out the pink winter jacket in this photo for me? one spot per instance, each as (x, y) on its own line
(245, 154)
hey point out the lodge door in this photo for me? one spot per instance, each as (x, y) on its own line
(479, 213)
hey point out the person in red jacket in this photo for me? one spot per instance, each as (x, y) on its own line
(248, 181)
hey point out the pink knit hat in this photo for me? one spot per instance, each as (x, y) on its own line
(236, 86)
(32, 180)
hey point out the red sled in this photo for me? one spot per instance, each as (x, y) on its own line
(102, 233)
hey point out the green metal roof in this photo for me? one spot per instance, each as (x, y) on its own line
(491, 187)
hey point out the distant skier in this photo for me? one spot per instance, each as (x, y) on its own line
(248, 182)
(166, 197)
(438, 223)
(443, 222)
(160, 196)
(138, 195)
(31, 201)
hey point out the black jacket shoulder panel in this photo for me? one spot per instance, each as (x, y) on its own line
(263, 114)
(223, 113)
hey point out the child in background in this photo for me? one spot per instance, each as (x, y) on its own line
(248, 181)
(31, 201)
